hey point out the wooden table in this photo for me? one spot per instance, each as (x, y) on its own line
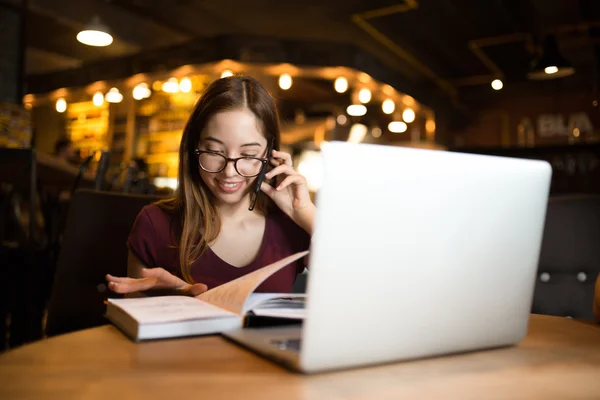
(559, 359)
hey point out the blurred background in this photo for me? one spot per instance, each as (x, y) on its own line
(95, 93)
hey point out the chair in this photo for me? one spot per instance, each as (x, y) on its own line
(94, 244)
(569, 258)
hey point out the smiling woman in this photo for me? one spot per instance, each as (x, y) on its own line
(208, 234)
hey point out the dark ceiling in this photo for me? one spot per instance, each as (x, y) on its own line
(428, 43)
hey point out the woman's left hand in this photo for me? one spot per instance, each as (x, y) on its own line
(291, 191)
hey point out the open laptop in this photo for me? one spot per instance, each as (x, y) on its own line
(416, 253)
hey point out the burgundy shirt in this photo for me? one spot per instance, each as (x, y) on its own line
(152, 242)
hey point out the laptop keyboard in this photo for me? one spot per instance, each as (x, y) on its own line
(287, 344)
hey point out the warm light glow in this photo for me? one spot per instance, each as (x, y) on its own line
(551, 69)
(376, 132)
(497, 84)
(388, 106)
(430, 125)
(397, 127)
(364, 77)
(341, 84)
(342, 119)
(95, 38)
(387, 89)
(163, 181)
(171, 86)
(61, 105)
(157, 86)
(141, 91)
(576, 132)
(310, 165)
(113, 96)
(28, 106)
(409, 101)
(185, 85)
(285, 81)
(356, 110)
(364, 96)
(226, 73)
(408, 115)
(98, 99)
(357, 133)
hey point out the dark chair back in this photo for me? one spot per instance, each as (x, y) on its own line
(570, 257)
(94, 244)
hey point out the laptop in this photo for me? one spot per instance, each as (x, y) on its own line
(416, 253)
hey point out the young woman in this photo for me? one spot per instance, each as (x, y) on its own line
(207, 235)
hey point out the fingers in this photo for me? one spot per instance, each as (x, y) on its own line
(268, 189)
(282, 169)
(130, 285)
(281, 157)
(195, 289)
(291, 180)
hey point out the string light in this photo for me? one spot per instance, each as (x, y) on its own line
(364, 96)
(285, 81)
(408, 115)
(388, 106)
(341, 84)
(61, 105)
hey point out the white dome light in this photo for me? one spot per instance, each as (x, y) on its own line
(341, 84)
(364, 96)
(113, 96)
(285, 81)
(408, 115)
(356, 110)
(388, 106)
(397, 127)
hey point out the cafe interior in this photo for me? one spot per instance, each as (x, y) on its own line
(94, 98)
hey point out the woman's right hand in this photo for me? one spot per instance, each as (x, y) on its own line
(157, 279)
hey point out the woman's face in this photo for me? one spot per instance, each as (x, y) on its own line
(233, 134)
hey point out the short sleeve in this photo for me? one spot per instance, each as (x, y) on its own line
(142, 239)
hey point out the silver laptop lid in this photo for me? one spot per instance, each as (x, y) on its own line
(420, 253)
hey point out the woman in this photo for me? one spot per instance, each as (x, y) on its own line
(206, 235)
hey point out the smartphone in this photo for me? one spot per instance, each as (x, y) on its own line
(261, 176)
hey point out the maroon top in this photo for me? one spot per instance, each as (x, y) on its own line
(151, 241)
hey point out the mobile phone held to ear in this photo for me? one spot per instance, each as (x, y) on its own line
(261, 176)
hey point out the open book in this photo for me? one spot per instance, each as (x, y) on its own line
(217, 310)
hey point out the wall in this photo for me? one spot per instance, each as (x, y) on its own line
(554, 109)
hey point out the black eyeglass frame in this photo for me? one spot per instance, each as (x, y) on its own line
(264, 161)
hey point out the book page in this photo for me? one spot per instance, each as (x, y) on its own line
(232, 295)
(164, 309)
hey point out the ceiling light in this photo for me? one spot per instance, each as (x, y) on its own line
(171, 86)
(113, 96)
(342, 119)
(61, 105)
(397, 127)
(95, 34)
(408, 115)
(285, 81)
(357, 133)
(98, 99)
(551, 64)
(356, 110)
(341, 84)
(497, 84)
(364, 96)
(388, 106)
(185, 85)
(141, 91)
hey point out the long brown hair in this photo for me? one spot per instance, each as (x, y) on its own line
(194, 202)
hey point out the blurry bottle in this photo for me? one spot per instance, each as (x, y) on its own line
(525, 133)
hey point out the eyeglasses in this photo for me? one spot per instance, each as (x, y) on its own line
(212, 162)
